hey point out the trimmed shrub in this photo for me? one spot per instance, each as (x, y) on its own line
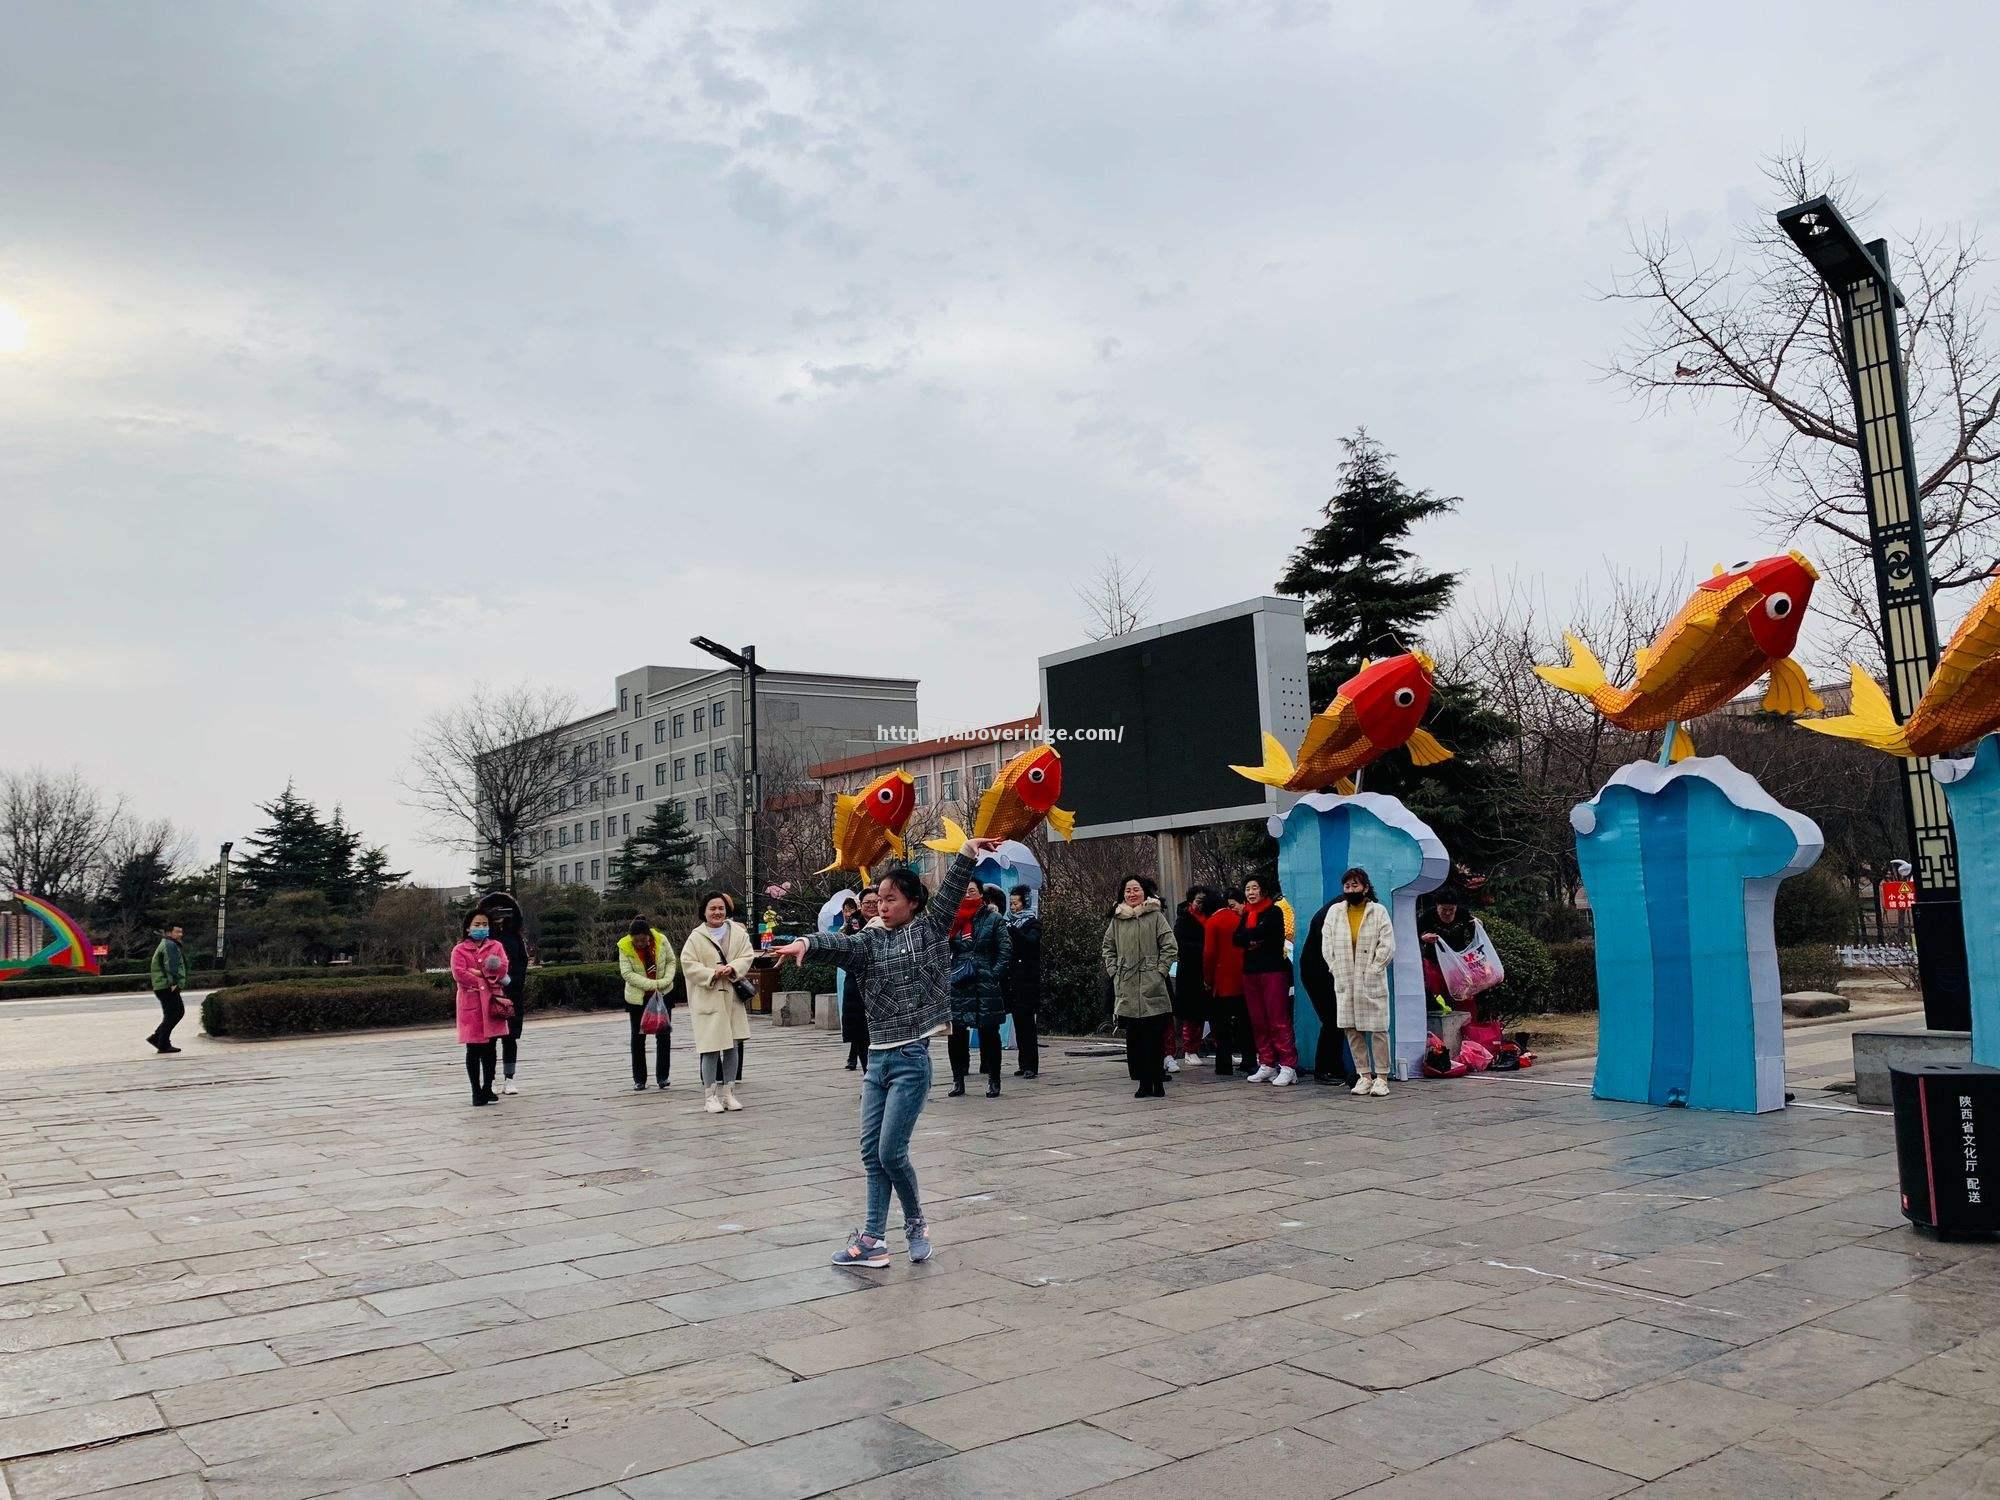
(1809, 966)
(1562, 924)
(1073, 1001)
(200, 979)
(575, 987)
(1530, 973)
(1573, 977)
(303, 1006)
(562, 936)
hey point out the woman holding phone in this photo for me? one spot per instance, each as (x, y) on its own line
(715, 959)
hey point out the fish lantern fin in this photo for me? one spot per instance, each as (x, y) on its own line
(1424, 748)
(1366, 663)
(829, 869)
(1683, 745)
(896, 842)
(1277, 768)
(864, 876)
(989, 807)
(1345, 786)
(951, 843)
(1584, 674)
(1869, 718)
(1683, 641)
(1789, 692)
(843, 818)
(1719, 571)
(1062, 820)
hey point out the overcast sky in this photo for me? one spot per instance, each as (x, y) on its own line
(374, 348)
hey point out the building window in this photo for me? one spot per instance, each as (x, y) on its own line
(697, 720)
(659, 731)
(923, 791)
(680, 725)
(624, 740)
(593, 792)
(638, 705)
(715, 713)
(562, 873)
(593, 752)
(721, 759)
(563, 835)
(596, 865)
(982, 778)
(579, 832)
(593, 830)
(625, 781)
(659, 773)
(680, 768)
(948, 786)
(701, 809)
(639, 792)
(623, 698)
(625, 825)
(700, 764)
(722, 804)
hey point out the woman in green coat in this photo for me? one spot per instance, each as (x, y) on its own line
(1138, 951)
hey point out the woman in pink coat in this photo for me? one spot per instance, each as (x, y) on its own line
(479, 968)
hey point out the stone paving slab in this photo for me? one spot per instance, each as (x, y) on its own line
(311, 1270)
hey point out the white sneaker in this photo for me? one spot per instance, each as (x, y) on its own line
(1173, 1066)
(731, 1102)
(1286, 1077)
(1264, 1074)
(1379, 1088)
(711, 1100)
(507, 1086)
(1361, 1084)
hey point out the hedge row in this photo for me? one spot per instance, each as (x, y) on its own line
(301, 1007)
(200, 979)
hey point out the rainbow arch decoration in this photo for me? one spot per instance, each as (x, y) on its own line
(63, 947)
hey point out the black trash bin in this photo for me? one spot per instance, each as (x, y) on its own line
(1948, 1146)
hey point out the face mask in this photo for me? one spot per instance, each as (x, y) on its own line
(478, 934)
(1355, 898)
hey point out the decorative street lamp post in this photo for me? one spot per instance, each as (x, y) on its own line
(1858, 276)
(745, 661)
(222, 903)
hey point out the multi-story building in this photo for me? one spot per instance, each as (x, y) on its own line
(677, 733)
(951, 773)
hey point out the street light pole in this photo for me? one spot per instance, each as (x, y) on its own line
(745, 661)
(222, 903)
(1858, 277)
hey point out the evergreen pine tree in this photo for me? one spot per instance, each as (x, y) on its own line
(1367, 596)
(289, 853)
(662, 851)
(373, 877)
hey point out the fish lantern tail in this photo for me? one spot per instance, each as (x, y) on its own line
(828, 869)
(1869, 719)
(951, 843)
(1062, 820)
(1277, 768)
(1582, 675)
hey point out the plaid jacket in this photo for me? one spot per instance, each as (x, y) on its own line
(906, 969)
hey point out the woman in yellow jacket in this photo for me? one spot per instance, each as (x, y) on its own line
(716, 955)
(647, 966)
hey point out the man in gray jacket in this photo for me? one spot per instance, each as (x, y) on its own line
(905, 964)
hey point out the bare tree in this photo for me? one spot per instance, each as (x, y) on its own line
(1116, 600)
(492, 766)
(55, 831)
(1753, 327)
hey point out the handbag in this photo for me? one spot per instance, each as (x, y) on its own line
(743, 989)
(655, 1018)
(500, 1008)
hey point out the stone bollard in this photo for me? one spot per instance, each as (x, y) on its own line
(792, 1008)
(826, 1012)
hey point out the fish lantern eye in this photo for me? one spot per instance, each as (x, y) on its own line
(1405, 697)
(1038, 775)
(885, 795)
(1778, 606)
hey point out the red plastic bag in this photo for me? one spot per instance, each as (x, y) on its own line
(656, 1017)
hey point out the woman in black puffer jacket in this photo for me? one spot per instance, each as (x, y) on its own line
(980, 950)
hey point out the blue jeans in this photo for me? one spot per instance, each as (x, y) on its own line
(893, 1091)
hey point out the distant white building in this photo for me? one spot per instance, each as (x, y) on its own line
(678, 733)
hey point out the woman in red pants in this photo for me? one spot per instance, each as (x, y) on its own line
(1267, 974)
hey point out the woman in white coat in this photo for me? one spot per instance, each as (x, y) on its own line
(715, 956)
(1359, 945)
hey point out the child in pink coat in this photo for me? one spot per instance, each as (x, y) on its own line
(479, 968)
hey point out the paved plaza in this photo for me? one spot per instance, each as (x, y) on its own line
(276, 1272)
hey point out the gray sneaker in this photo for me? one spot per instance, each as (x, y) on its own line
(918, 1232)
(863, 1250)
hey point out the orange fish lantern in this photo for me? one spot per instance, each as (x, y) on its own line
(868, 825)
(1961, 704)
(1734, 628)
(1377, 709)
(1021, 796)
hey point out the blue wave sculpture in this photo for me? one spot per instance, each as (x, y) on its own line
(1682, 865)
(1972, 789)
(1322, 836)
